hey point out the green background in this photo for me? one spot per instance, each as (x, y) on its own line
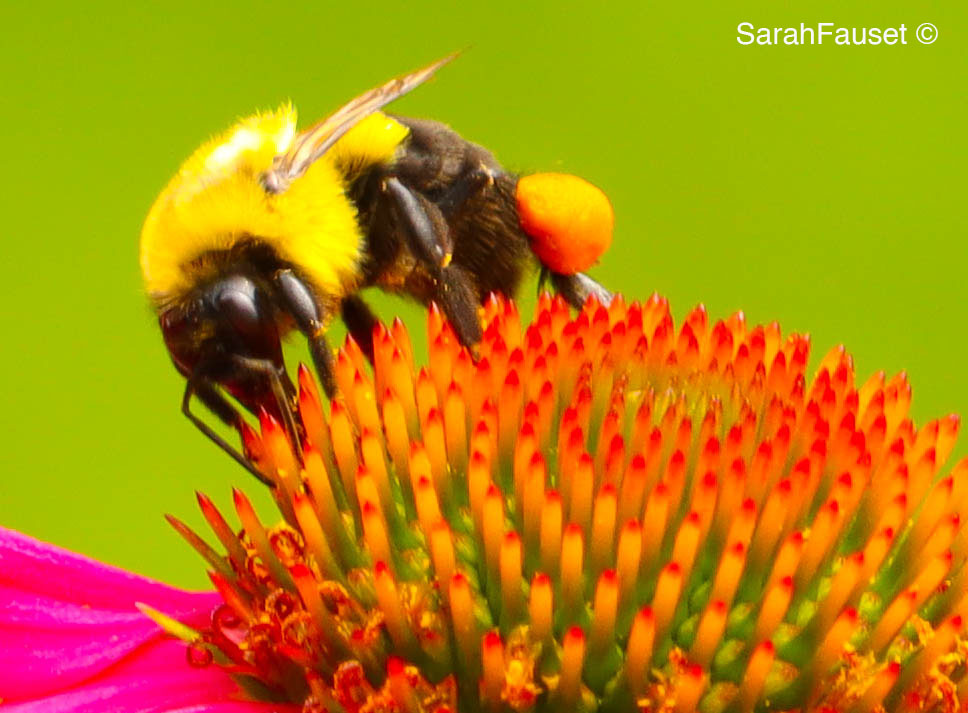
(820, 186)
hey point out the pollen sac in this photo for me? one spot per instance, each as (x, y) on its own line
(671, 519)
(568, 219)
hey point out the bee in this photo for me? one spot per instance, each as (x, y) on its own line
(266, 230)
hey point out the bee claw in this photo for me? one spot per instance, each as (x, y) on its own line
(488, 175)
(475, 351)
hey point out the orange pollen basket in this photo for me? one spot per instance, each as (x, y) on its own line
(602, 512)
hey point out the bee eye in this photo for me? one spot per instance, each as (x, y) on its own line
(245, 318)
(240, 311)
(168, 320)
(178, 322)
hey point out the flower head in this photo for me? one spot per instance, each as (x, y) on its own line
(599, 512)
(594, 513)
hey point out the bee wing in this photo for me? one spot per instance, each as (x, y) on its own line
(315, 141)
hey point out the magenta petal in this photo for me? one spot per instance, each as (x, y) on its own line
(155, 679)
(65, 618)
(30, 565)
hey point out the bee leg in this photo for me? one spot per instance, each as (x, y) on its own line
(469, 184)
(458, 299)
(422, 223)
(429, 240)
(360, 321)
(577, 288)
(310, 321)
(284, 393)
(209, 395)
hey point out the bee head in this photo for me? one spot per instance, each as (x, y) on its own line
(226, 332)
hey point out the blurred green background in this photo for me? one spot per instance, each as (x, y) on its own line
(820, 186)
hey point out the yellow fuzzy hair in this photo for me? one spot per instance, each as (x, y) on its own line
(216, 200)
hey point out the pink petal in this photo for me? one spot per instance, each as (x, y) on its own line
(30, 565)
(156, 679)
(65, 618)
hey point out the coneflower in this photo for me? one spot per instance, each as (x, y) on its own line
(600, 512)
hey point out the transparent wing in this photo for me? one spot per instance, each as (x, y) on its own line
(311, 144)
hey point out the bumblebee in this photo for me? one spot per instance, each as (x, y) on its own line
(265, 230)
